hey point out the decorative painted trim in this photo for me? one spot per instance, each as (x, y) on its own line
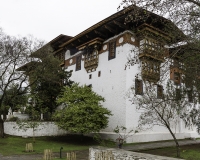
(73, 60)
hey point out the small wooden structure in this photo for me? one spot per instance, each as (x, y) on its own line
(29, 147)
(71, 155)
(48, 154)
(104, 155)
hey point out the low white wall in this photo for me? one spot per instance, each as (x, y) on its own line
(100, 152)
(44, 129)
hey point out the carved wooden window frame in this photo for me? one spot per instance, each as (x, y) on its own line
(91, 60)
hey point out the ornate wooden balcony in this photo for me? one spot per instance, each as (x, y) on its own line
(91, 61)
(150, 71)
(152, 49)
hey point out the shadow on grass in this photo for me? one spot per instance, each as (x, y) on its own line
(72, 139)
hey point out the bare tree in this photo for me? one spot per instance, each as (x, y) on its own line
(163, 110)
(183, 13)
(179, 99)
(14, 52)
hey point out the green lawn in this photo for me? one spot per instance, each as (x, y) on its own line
(189, 152)
(11, 145)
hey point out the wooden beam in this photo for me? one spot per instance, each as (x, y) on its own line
(87, 36)
(99, 33)
(79, 40)
(110, 29)
(120, 24)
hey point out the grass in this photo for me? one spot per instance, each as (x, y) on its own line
(11, 145)
(188, 152)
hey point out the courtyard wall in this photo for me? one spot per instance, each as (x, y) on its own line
(44, 129)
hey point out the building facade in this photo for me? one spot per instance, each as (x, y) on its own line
(101, 55)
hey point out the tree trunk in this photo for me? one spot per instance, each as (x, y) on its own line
(176, 141)
(1, 128)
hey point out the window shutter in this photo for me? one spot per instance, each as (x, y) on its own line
(138, 87)
(159, 91)
(178, 94)
(112, 50)
(78, 63)
(190, 98)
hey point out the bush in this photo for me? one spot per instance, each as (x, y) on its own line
(13, 119)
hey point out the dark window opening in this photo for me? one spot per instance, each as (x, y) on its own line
(190, 98)
(159, 91)
(138, 87)
(78, 63)
(90, 76)
(112, 50)
(99, 74)
(178, 94)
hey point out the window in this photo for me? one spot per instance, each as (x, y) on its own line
(78, 63)
(152, 48)
(178, 94)
(150, 70)
(190, 98)
(112, 50)
(61, 56)
(159, 91)
(91, 61)
(138, 87)
(90, 76)
(99, 74)
(175, 75)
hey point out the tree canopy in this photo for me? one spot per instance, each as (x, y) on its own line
(48, 79)
(82, 111)
(14, 52)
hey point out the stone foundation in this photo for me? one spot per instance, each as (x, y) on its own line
(97, 153)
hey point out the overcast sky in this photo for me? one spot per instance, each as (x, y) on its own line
(46, 19)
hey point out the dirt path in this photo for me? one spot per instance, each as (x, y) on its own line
(81, 155)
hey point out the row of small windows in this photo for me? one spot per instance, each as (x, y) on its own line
(99, 75)
(139, 91)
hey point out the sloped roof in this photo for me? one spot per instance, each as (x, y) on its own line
(114, 24)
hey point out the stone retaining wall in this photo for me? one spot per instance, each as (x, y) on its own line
(44, 129)
(96, 153)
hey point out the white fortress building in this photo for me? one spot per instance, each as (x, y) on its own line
(98, 56)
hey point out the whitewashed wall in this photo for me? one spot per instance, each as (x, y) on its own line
(45, 129)
(111, 84)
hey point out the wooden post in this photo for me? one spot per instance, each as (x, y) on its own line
(71, 155)
(104, 155)
(47, 154)
(29, 147)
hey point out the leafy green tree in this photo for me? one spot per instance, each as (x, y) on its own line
(28, 124)
(15, 99)
(49, 78)
(82, 111)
